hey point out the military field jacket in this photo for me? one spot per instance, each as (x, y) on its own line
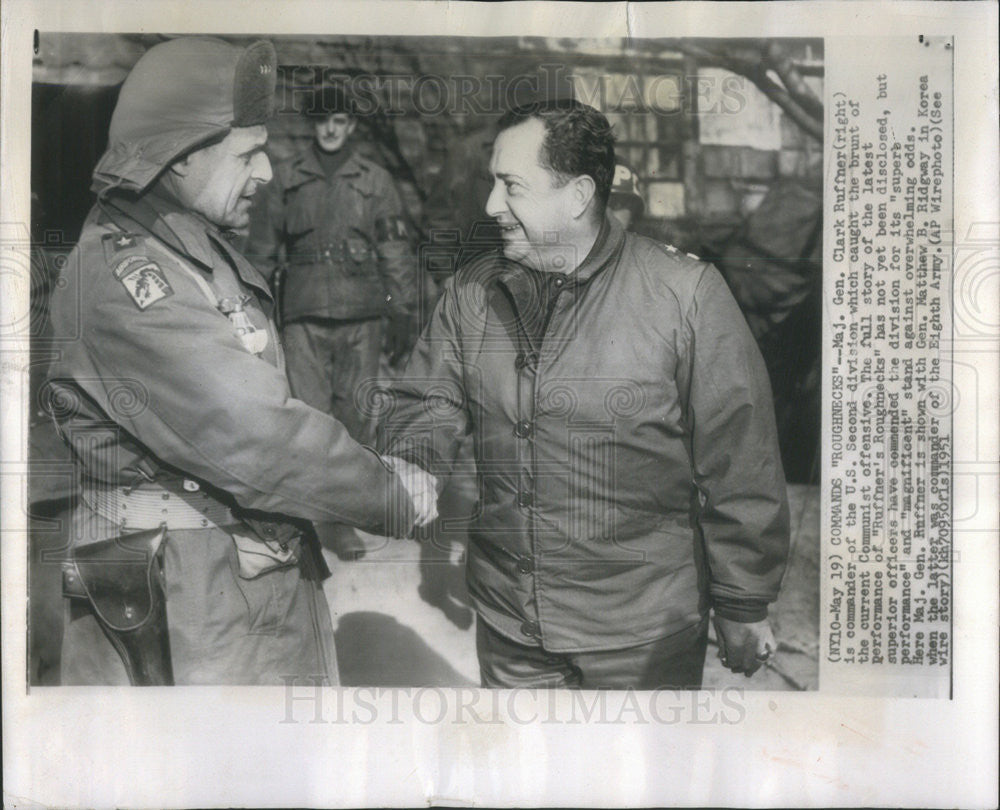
(153, 375)
(629, 470)
(343, 240)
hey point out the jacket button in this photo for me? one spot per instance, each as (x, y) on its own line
(531, 629)
(559, 282)
(525, 564)
(522, 429)
(525, 499)
(268, 530)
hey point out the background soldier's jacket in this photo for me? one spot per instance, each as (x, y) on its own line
(629, 467)
(344, 240)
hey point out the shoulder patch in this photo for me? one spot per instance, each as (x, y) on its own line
(119, 243)
(672, 249)
(390, 229)
(143, 280)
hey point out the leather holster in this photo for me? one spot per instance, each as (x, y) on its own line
(121, 579)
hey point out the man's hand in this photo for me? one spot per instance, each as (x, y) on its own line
(744, 646)
(400, 335)
(420, 485)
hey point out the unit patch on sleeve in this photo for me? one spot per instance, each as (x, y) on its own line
(144, 280)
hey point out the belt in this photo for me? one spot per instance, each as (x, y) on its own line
(322, 256)
(152, 506)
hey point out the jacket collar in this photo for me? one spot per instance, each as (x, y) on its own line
(161, 215)
(529, 291)
(605, 252)
(185, 232)
(248, 274)
(305, 166)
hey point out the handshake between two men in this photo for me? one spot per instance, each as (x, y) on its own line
(420, 485)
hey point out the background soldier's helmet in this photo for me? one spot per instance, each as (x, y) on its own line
(625, 190)
(182, 94)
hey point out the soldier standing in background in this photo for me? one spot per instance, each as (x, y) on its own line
(335, 222)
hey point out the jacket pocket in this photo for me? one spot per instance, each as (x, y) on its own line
(267, 596)
(299, 220)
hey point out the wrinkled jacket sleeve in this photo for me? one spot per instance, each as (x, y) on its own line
(397, 261)
(734, 448)
(426, 409)
(222, 415)
(265, 242)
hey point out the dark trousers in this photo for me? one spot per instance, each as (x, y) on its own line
(331, 366)
(673, 662)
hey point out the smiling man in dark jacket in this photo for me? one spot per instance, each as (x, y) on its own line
(623, 430)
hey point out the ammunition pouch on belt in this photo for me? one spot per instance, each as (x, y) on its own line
(354, 255)
(331, 253)
(121, 578)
